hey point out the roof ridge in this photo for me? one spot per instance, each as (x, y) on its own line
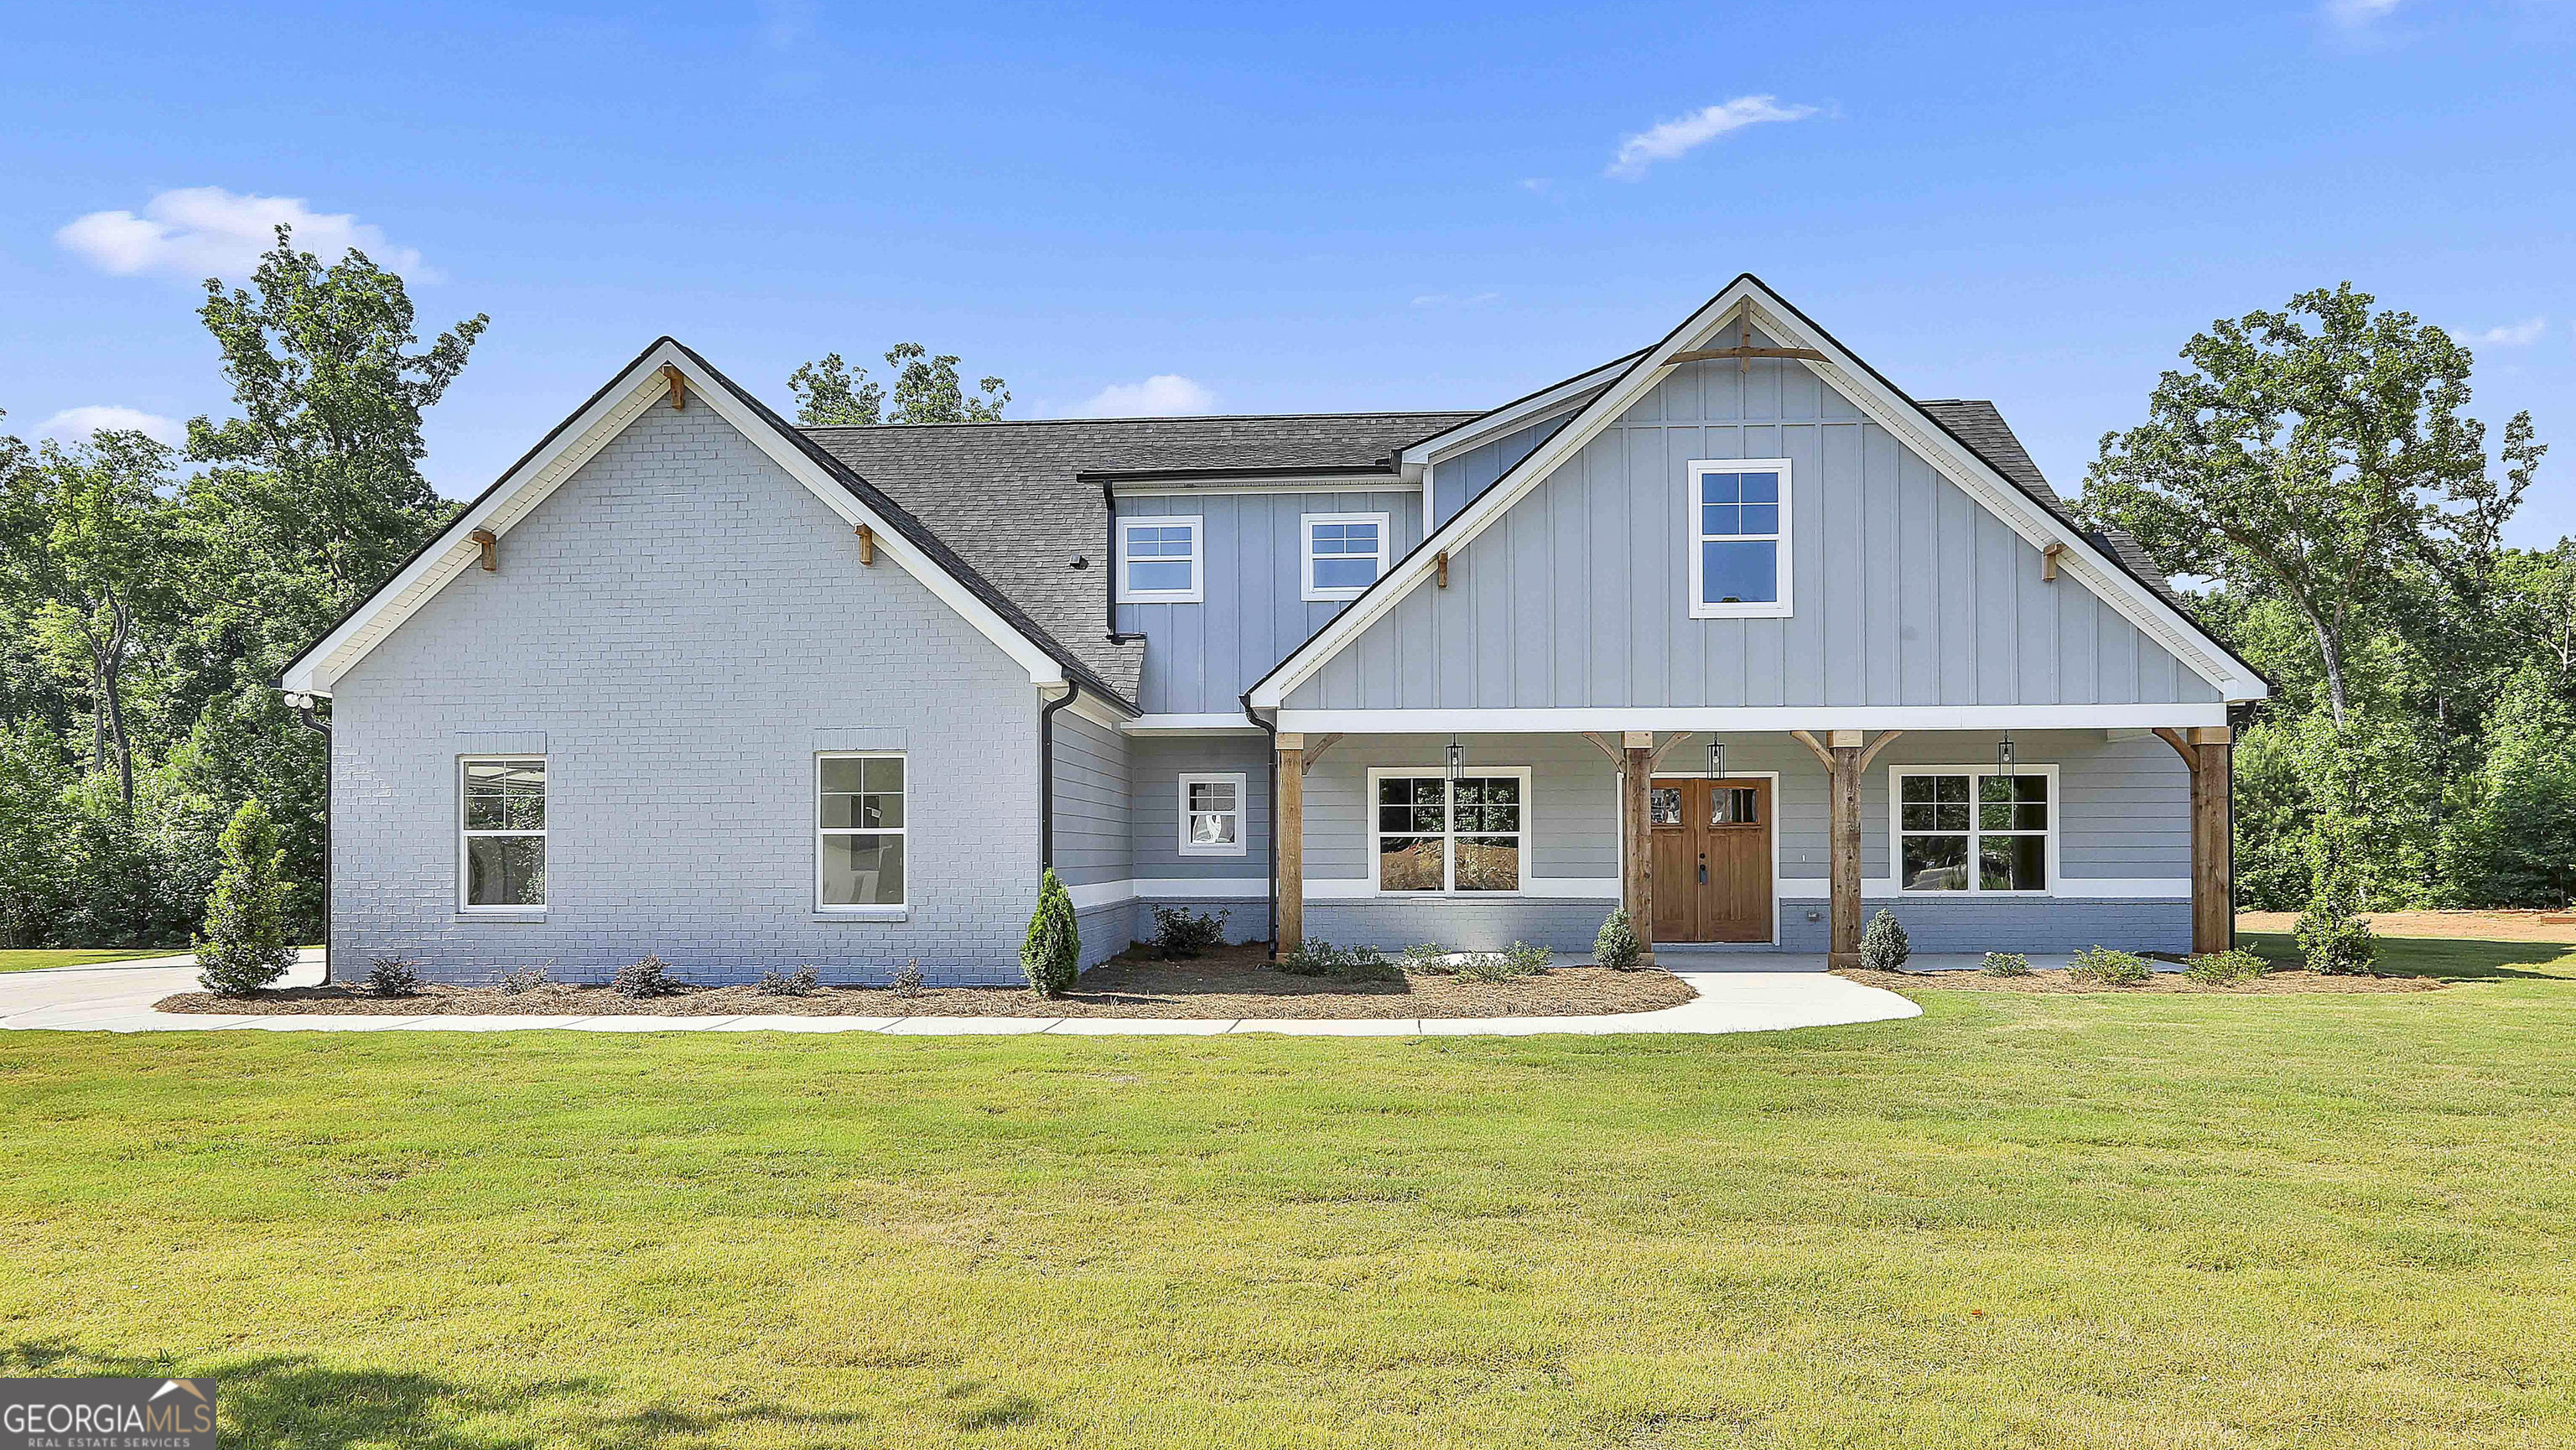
(1151, 418)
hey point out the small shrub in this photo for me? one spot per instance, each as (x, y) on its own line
(1883, 947)
(2226, 969)
(1617, 947)
(1518, 960)
(2005, 964)
(1180, 932)
(907, 983)
(1052, 955)
(803, 982)
(393, 977)
(2104, 967)
(650, 977)
(245, 946)
(1343, 964)
(1429, 958)
(520, 983)
(2335, 942)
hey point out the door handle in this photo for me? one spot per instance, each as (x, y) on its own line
(1703, 870)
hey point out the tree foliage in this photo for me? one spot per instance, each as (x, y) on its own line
(245, 947)
(926, 390)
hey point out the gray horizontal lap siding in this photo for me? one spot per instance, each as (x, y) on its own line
(1905, 591)
(1200, 658)
(1159, 762)
(1092, 787)
(685, 626)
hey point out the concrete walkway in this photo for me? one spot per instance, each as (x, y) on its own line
(1734, 996)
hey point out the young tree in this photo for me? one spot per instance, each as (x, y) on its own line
(2314, 453)
(926, 390)
(245, 946)
(1052, 955)
(88, 540)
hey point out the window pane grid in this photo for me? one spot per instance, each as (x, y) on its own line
(1972, 831)
(1212, 809)
(860, 832)
(501, 819)
(1430, 838)
(1739, 529)
(1159, 557)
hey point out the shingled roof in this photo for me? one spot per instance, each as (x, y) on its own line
(1976, 423)
(1017, 499)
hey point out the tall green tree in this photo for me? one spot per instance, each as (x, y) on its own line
(2316, 453)
(926, 390)
(88, 535)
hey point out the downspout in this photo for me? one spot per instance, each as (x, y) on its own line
(1109, 560)
(1046, 772)
(1271, 730)
(304, 713)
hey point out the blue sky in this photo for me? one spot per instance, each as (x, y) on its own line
(1292, 208)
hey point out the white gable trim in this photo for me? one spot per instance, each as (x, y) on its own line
(1511, 417)
(1883, 405)
(536, 478)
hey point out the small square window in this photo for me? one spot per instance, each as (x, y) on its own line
(1212, 815)
(1159, 561)
(1344, 554)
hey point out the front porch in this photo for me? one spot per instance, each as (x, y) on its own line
(1780, 841)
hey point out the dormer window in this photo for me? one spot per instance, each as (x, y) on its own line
(1159, 560)
(1344, 554)
(1739, 533)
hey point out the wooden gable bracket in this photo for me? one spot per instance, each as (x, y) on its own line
(489, 543)
(2048, 563)
(1744, 352)
(1440, 567)
(1319, 745)
(679, 386)
(867, 546)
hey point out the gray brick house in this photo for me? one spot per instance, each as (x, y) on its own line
(1730, 630)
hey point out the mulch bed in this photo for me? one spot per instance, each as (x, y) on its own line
(1230, 982)
(2269, 984)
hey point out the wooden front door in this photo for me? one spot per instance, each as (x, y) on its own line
(1711, 855)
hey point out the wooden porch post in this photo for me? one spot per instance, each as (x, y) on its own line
(2213, 885)
(1843, 747)
(1636, 876)
(1288, 840)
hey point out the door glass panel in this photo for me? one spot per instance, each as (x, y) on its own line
(1665, 805)
(1734, 806)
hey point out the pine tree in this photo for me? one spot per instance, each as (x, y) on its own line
(245, 946)
(1052, 956)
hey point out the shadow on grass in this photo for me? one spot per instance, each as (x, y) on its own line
(279, 1401)
(2446, 959)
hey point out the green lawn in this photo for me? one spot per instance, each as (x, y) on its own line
(28, 959)
(2020, 1220)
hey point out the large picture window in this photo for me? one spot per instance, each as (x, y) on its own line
(1433, 834)
(1158, 561)
(1344, 554)
(1965, 830)
(1212, 814)
(502, 829)
(859, 831)
(1739, 533)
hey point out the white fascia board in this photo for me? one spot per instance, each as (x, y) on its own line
(1091, 707)
(1728, 718)
(1230, 722)
(520, 492)
(1980, 481)
(1508, 419)
(1359, 483)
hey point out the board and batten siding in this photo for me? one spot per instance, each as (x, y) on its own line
(1200, 658)
(1456, 481)
(1905, 590)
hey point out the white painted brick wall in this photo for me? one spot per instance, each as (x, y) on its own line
(679, 620)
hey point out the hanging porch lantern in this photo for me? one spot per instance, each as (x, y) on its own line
(1716, 758)
(2004, 756)
(1457, 760)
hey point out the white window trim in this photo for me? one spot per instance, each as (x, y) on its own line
(875, 910)
(1700, 467)
(1896, 832)
(1197, 592)
(1306, 552)
(464, 837)
(1448, 865)
(1242, 813)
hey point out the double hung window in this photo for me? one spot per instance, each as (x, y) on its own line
(502, 833)
(1344, 554)
(1159, 559)
(859, 831)
(1739, 538)
(1212, 815)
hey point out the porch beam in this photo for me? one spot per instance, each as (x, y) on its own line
(1288, 842)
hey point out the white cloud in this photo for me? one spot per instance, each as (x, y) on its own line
(2356, 14)
(1673, 138)
(1452, 299)
(1164, 395)
(206, 231)
(2515, 334)
(79, 423)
